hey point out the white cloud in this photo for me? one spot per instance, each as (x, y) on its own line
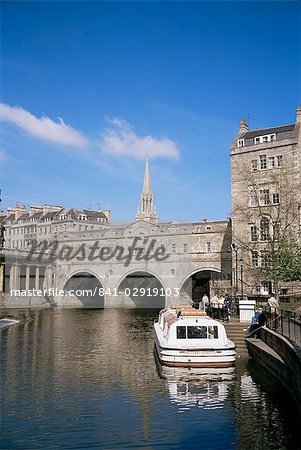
(121, 140)
(43, 128)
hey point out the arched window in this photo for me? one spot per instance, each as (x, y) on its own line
(264, 229)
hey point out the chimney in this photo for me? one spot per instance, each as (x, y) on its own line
(51, 208)
(35, 209)
(298, 114)
(19, 210)
(243, 126)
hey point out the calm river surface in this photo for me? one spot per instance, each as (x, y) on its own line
(83, 379)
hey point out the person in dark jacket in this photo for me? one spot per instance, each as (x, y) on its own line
(254, 323)
(261, 321)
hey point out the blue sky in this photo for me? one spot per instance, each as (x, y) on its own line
(89, 88)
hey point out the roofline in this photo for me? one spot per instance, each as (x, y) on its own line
(269, 128)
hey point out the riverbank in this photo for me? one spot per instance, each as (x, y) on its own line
(281, 358)
(88, 379)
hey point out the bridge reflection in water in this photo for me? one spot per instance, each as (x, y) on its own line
(88, 378)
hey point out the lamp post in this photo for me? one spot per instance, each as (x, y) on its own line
(241, 262)
(234, 248)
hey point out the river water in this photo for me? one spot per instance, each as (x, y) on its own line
(88, 379)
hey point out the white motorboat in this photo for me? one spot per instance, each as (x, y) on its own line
(186, 337)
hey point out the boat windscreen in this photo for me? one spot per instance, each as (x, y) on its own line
(181, 332)
(197, 332)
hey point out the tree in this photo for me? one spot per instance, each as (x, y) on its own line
(284, 263)
(269, 205)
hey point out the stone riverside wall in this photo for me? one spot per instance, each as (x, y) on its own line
(287, 368)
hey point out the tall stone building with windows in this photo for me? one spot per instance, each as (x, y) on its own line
(266, 198)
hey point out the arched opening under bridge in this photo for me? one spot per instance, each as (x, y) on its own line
(202, 282)
(141, 290)
(83, 289)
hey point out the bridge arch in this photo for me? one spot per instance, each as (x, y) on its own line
(141, 288)
(204, 280)
(84, 288)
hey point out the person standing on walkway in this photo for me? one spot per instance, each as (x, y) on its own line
(221, 302)
(214, 305)
(274, 309)
(205, 302)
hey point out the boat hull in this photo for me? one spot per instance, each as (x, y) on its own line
(195, 358)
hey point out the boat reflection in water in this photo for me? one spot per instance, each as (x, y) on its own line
(205, 388)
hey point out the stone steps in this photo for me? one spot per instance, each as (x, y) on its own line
(237, 331)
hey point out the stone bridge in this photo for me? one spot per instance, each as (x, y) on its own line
(139, 264)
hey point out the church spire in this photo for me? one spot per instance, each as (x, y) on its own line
(146, 184)
(147, 210)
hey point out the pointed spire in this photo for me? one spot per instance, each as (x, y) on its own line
(146, 184)
(147, 207)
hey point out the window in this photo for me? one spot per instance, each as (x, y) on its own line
(173, 248)
(264, 229)
(255, 259)
(213, 332)
(185, 248)
(265, 260)
(208, 247)
(254, 233)
(197, 332)
(264, 287)
(276, 198)
(279, 161)
(241, 142)
(264, 139)
(181, 332)
(208, 228)
(264, 197)
(263, 162)
(271, 162)
(261, 288)
(254, 165)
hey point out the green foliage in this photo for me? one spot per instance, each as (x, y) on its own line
(284, 261)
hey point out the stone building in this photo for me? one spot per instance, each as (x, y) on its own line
(195, 257)
(266, 198)
(44, 223)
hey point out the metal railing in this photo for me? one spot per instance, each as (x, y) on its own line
(287, 323)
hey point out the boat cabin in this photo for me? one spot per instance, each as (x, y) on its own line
(185, 326)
